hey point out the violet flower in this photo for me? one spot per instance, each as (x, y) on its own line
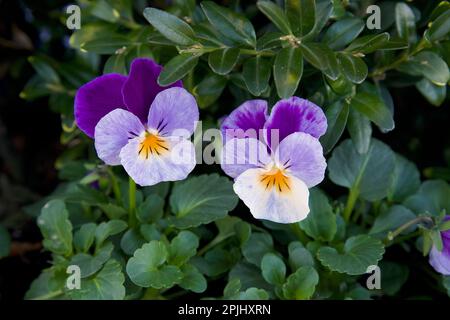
(273, 179)
(440, 260)
(139, 124)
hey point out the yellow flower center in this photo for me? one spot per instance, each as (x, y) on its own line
(276, 178)
(152, 144)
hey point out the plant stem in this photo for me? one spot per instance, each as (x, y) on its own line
(132, 202)
(49, 295)
(351, 200)
(257, 53)
(392, 235)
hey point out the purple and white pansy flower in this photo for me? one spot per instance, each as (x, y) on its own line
(138, 124)
(271, 178)
(440, 260)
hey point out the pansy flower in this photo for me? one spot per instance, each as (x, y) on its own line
(440, 260)
(273, 178)
(139, 124)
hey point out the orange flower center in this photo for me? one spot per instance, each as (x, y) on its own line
(276, 179)
(152, 144)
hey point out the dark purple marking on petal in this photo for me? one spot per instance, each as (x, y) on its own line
(141, 87)
(296, 115)
(96, 99)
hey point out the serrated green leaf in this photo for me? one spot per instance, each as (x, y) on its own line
(287, 71)
(172, 27)
(147, 267)
(320, 223)
(359, 253)
(200, 200)
(301, 284)
(192, 279)
(151, 210)
(90, 264)
(369, 174)
(182, 248)
(107, 229)
(84, 237)
(177, 68)
(56, 227)
(131, 240)
(256, 247)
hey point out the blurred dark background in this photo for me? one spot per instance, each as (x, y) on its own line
(30, 133)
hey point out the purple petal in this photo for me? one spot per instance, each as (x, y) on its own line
(175, 164)
(173, 112)
(97, 98)
(302, 156)
(446, 233)
(295, 115)
(239, 155)
(141, 87)
(251, 115)
(112, 133)
(440, 261)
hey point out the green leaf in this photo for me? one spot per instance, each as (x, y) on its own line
(368, 44)
(301, 284)
(209, 90)
(249, 276)
(337, 115)
(374, 108)
(90, 264)
(177, 68)
(320, 223)
(50, 283)
(103, 10)
(405, 22)
(433, 93)
(275, 14)
(56, 227)
(84, 237)
(256, 72)
(115, 64)
(113, 211)
(406, 180)
(439, 27)
(446, 284)
(391, 219)
(369, 174)
(393, 276)
(395, 44)
(216, 261)
(151, 210)
(108, 284)
(132, 240)
(287, 71)
(223, 61)
(433, 197)
(324, 9)
(301, 15)
(232, 288)
(343, 32)
(106, 45)
(107, 229)
(201, 200)
(230, 24)
(273, 269)
(192, 279)
(360, 130)
(147, 269)
(44, 70)
(359, 253)
(256, 247)
(182, 248)
(321, 57)
(251, 294)
(5, 242)
(299, 256)
(170, 26)
(429, 65)
(353, 68)
(342, 86)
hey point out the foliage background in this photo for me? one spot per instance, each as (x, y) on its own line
(41, 150)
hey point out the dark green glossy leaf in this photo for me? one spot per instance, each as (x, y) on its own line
(343, 32)
(301, 15)
(275, 14)
(177, 68)
(353, 68)
(337, 115)
(321, 57)
(429, 65)
(360, 130)
(223, 61)
(405, 22)
(369, 43)
(433, 93)
(287, 71)
(256, 72)
(374, 108)
(439, 27)
(209, 90)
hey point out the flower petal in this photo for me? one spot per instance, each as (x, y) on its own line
(174, 112)
(295, 115)
(288, 206)
(239, 155)
(150, 169)
(112, 133)
(97, 98)
(141, 87)
(302, 156)
(440, 261)
(251, 114)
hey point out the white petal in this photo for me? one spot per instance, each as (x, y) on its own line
(287, 206)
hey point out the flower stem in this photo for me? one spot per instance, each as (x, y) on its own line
(352, 197)
(132, 202)
(396, 232)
